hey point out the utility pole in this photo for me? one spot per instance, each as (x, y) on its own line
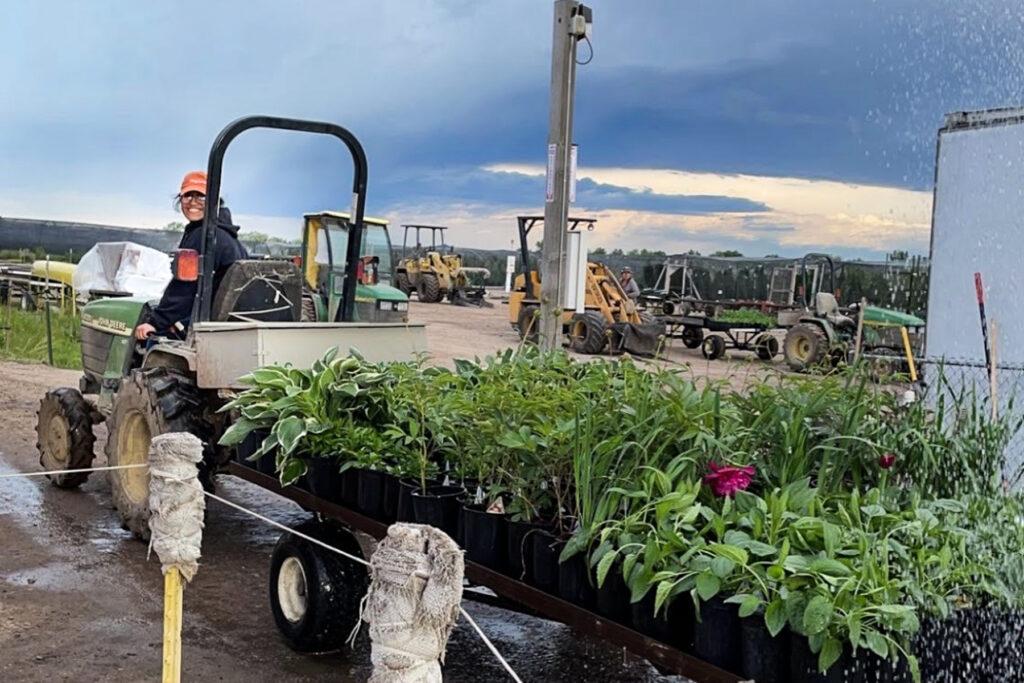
(571, 24)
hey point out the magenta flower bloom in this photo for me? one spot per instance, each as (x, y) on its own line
(887, 460)
(725, 480)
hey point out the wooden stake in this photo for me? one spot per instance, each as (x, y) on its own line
(909, 352)
(993, 373)
(860, 329)
(172, 626)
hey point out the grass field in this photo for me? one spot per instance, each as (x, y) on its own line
(23, 337)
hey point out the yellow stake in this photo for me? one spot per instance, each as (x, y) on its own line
(172, 626)
(910, 354)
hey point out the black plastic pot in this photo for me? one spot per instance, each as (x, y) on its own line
(403, 511)
(519, 548)
(674, 626)
(350, 488)
(765, 659)
(250, 444)
(485, 537)
(612, 599)
(324, 479)
(575, 583)
(370, 494)
(438, 507)
(546, 549)
(392, 492)
(803, 665)
(716, 635)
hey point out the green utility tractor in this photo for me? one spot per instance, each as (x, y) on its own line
(823, 334)
(324, 242)
(255, 318)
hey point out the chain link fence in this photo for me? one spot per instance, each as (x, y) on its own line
(965, 384)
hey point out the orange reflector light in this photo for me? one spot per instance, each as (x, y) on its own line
(186, 265)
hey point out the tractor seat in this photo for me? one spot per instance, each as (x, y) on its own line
(825, 304)
(266, 291)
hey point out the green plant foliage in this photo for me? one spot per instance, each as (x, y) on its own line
(862, 517)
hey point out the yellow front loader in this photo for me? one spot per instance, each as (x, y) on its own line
(436, 272)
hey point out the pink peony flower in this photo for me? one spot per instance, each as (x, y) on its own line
(725, 480)
(887, 460)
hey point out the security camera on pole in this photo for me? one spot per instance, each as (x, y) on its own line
(572, 23)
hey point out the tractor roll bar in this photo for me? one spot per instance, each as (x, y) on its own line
(526, 224)
(204, 290)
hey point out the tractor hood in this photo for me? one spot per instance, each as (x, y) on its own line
(116, 315)
(876, 316)
(379, 292)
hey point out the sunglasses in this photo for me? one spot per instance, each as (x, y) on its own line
(194, 198)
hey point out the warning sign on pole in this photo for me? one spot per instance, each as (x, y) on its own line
(552, 153)
(572, 173)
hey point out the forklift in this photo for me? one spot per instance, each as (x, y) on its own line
(437, 272)
(609, 320)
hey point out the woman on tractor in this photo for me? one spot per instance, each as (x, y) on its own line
(172, 314)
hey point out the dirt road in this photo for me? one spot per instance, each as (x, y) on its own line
(79, 600)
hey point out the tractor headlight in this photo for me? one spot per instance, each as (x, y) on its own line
(401, 305)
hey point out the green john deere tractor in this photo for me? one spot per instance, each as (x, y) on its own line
(255, 318)
(823, 334)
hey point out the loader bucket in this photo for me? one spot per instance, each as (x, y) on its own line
(639, 339)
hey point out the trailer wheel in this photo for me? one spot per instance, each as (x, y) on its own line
(693, 337)
(587, 332)
(65, 438)
(713, 347)
(767, 347)
(805, 347)
(148, 403)
(314, 592)
(430, 288)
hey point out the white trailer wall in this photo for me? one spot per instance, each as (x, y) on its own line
(978, 226)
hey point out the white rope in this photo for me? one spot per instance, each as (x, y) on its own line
(75, 471)
(301, 535)
(490, 646)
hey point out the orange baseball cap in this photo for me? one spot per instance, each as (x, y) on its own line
(194, 181)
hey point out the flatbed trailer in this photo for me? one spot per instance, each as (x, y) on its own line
(743, 336)
(510, 593)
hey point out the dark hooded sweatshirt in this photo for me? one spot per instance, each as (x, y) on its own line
(176, 303)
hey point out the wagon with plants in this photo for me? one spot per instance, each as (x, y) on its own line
(717, 330)
(798, 531)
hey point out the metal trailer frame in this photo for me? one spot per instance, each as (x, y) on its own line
(511, 593)
(739, 336)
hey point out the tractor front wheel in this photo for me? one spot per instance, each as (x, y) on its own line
(430, 289)
(693, 337)
(65, 438)
(148, 403)
(588, 332)
(805, 347)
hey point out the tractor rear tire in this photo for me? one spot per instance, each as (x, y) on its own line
(430, 289)
(148, 403)
(402, 283)
(805, 347)
(65, 438)
(315, 593)
(528, 323)
(693, 337)
(588, 333)
(308, 309)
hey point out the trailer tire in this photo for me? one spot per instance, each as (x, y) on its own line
(693, 337)
(713, 347)
(314, 592)
(805, 347)
(430, 289)
(767, 347)
(64, 436)
(588, 333)
(148, 403)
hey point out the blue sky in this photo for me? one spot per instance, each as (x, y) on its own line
(779, 127)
